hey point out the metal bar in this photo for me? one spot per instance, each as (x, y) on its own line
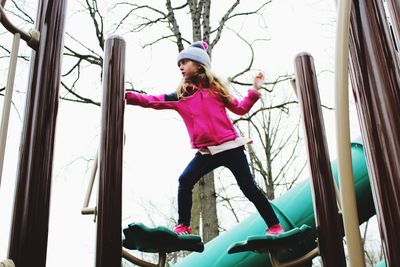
(85, 208)
(31, 38)
(306, 258)
(29, 228)
(328, 221)
(89, 211)
(129, 257)
(345, 169)
(162, 259)
(109, 243)
(337, 193)
(375, 75)
(293, 84)
(7, 100)
(7, 263)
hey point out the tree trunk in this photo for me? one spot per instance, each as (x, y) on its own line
(196, 207)
(204, 208)
(208, 207)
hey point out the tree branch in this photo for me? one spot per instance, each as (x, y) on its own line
(250, 12)
(136, 8)
(158, 40)
(222, 23)
(206, 20)
(98, 25)
(248, 68)
(83, 45)
(25, 58)
(80, 99)
(89, 58)
(173, 25)
(26, 17)
(280, 106)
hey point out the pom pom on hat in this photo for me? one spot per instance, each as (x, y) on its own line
(201, 44)
(205, 45)
(197, 51)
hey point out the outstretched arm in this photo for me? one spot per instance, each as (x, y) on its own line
(253, 94)
(149, 101)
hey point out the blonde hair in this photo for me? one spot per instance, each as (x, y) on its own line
(206, 79)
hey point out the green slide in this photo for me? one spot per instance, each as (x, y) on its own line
(294, 209)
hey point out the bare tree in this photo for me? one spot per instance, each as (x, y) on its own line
(275, 158)
(373, 249)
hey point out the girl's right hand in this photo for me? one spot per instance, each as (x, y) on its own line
(259, 81)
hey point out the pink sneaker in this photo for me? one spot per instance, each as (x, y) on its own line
(182, 229)
(275, 230)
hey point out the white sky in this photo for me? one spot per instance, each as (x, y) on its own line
(156, 149)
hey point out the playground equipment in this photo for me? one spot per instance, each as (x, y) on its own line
(325, 193)
(28, 238)
(375, 74)
(159, 240)
(350, 220)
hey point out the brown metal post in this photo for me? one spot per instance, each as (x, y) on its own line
(329, 225)
(109, 243)
(29, 233)
(376, 81)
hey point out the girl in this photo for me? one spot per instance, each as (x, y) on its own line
(201, 100)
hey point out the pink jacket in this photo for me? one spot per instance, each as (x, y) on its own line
(203, 113)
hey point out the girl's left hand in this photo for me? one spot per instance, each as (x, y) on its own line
(259, 81)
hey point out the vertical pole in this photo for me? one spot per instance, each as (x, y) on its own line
(329, 224)
(29, 233)
(345, 168)
(109, 243)
(375, 77)
(5, 116)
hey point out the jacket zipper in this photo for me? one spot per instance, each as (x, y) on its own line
(210, 122)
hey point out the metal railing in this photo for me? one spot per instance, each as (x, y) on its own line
(7, 100)
(346, 180)
(86, 210)
(31, 37)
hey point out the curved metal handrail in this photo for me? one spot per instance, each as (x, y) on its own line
(31, 37)
(346, 178)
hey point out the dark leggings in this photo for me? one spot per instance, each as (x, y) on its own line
(235, 160)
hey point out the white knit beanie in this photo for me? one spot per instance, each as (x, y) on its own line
(197, 52)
